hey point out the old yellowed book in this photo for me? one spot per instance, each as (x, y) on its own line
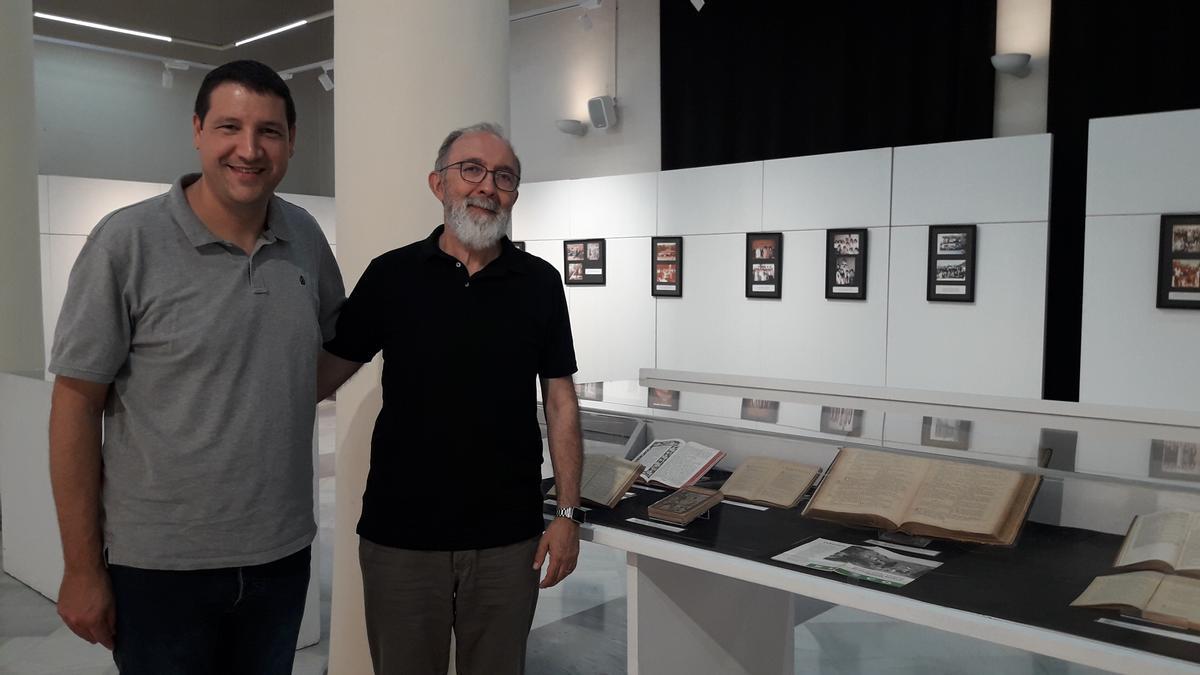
(1165, 598)
(924, 496)
(770, 482)
(1167, 541)
(605, 479)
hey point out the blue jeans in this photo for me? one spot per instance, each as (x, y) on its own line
(228, 620)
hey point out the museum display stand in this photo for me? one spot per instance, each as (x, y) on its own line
(709, 598)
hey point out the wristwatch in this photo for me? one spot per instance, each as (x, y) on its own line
(570, 513)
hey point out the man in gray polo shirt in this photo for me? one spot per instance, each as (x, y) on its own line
(191, 332)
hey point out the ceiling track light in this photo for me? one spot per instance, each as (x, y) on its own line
(269, 33)
(325, 78)
(101, 26)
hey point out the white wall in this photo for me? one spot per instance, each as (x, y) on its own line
(105, 115)
(1132, 353)
(555, 66)
(1020, 105)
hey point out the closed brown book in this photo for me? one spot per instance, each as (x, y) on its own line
(684, 505)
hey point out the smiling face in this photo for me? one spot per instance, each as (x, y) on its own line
(244, 144)
(477, 213)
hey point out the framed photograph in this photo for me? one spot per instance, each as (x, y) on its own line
(846, 264)
(841, 421)
(666, 266)
(945, 432)
(757, 410)
(1179, 262)
(951, 276)
(662, 399)
(1176, 460)
(764, 265)
(589, 391)
(583, 262)
(519, 245)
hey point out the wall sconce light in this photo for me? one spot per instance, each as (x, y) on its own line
(1012, 63)
(572, 127)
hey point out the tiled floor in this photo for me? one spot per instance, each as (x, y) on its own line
(579, 627)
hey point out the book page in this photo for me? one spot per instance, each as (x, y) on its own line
(654, 455)
(1132, 589)
(676, 463)
(749, 478)
(788, 484)
(605, 478)
(964, 497)
(1155, 536)
(870, 482)
(1177, 597)
(1189, 556)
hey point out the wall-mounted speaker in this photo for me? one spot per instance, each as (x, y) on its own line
(603, 111)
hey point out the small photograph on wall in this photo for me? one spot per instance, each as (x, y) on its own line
(841, 421)
(951, 276)
(584, 262)
(758, 410)
(1175, 460)
(764, 265)
(662, 399)
(846, 264)
(519, 245)
(667, 267)
(1179, 262)
(589, 391)
(945, 432)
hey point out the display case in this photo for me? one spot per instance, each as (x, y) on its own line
(709, 597)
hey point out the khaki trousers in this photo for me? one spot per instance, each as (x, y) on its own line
(415, 598)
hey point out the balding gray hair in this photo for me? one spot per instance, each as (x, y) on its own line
(477, 128)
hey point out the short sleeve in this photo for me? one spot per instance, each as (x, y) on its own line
(558, 355)
(331, 291)
(359, 332)
(92, 339)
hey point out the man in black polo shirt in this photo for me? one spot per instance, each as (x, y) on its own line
(451, 529)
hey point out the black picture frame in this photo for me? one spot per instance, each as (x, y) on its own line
(662, 399)
(666, 267)
(584, 262)
(946, 432)
(1179, 262)
(951, 273)
(760, 410)
(846, 264)
(764, 265)
(841, 421)
(1174, 460)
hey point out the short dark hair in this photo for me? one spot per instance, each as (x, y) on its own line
(255, 76)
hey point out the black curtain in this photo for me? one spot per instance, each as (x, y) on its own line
(1106, 59)
(745, 81)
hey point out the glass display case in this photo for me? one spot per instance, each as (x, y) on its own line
(711, 593)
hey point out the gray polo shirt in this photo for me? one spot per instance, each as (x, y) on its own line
(212, 356)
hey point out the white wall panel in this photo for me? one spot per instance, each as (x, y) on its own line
(996, 180)
(614, 206)
(1133, 353)
(64, 249)
(542, 210)
(322, 209)
(549, 250)
(992, 346)
(806, 337)
(76, 205)
(613, 325)
(711, 199)
(1144, 163)
(47, 320)
(713, 327)
(43, 205)
(818, 192)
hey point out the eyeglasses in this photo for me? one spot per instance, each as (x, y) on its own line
(474, 172)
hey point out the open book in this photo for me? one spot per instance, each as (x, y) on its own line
(924, 496)
(770, 482)
(605, 479)
(674, 462)
(1165, 598)
(1167, 541)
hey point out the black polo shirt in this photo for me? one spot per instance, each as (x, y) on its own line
(456, 454)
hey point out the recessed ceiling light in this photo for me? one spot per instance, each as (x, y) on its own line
(269, 33)
(100, 26)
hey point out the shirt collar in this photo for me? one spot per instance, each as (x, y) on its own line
(509, 260)
(195, 230)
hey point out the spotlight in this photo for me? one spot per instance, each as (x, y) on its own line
(325, 79)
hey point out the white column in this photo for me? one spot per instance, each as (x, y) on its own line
(20, 260)
(406, 74)
(1020, 105)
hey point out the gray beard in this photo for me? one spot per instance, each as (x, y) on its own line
(477, 232)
